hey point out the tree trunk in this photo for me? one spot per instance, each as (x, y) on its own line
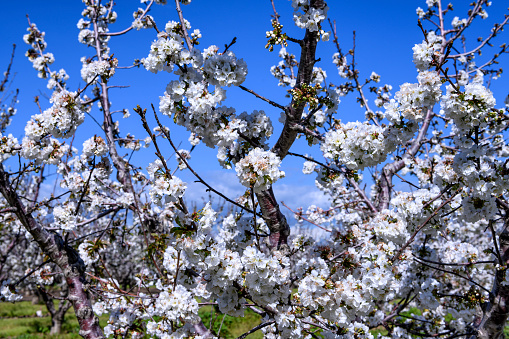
(57, 315)
(36, 298)
(56, 325)
(496, 311)
(58, 318)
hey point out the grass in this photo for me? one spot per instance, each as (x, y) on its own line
(18, 321)
(35, 328)
(19, 309)
(232, 327)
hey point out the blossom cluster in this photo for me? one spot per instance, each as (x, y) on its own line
(167, 189)
(311, 18)
(470, 108)
(65, 216)
(8, 293)
(182, 158)
(46, 150)
(40, 61)
(103, 16)
(254, 127)
(224, 69)
(279, 72)
(341, 63)
(92, 70)
(413, 100)
(95, 146)
(356, 145)
(8, 147)
(60, 120)
(427, 51)
(169, 51)
(259, 169)
(195, 107)
(86, 254)
(142, 20)
(42, 276)
(57, 79)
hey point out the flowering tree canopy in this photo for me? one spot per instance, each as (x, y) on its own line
(424, 252)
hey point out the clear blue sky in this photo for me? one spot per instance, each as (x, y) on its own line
(386, 33)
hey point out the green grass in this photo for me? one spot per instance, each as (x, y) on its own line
(18, 321)
(232, 327)
(35, 328)
(20, 309)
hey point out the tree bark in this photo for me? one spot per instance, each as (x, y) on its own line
(276, 221)
(56, 325)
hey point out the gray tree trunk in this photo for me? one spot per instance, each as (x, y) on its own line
(57, 315)
(56, 325)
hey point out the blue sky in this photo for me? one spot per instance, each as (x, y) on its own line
(386, 32)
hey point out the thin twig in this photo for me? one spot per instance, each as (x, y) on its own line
(221, 326)
(341, 170)
(130, 27)
(31, 271)
(183, 25)
(226, 47)
(256, 328)
(275, 104)
(8, 71)
(300, 216)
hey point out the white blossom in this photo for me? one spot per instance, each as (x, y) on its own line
(426, 51)
(225, 69)
(8, 147)
(355, 144)
(259, 169)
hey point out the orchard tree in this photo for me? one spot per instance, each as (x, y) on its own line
(423, 253)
